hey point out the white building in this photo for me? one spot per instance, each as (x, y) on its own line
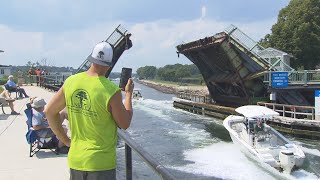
(5, 70)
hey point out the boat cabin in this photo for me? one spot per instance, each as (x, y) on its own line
(136, 94)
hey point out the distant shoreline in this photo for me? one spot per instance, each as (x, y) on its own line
(175, 89)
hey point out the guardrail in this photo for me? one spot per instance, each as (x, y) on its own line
(130, 145)
(292, 111)
(242, 39)
(195, 98)
(52, 82)
(298, 77)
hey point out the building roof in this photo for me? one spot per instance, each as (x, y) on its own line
(272, 52)
(5, 66)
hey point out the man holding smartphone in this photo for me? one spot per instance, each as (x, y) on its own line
(95, 110)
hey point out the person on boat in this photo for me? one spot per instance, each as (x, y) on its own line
(259, 126)
(94, 115)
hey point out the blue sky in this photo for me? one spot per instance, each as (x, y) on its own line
(64, 32)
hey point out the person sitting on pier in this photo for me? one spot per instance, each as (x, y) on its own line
(4, 97)
(13, 87)
(40, 123)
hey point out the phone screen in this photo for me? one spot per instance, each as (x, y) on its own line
(125, 75)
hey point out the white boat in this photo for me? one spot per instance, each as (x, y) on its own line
(262, 142)
(136, 94)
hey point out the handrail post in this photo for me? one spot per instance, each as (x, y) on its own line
(305, 74)
(128, 154)
(313, 114)
(270, 79)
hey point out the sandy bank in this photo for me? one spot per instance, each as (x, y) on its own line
(174, 88)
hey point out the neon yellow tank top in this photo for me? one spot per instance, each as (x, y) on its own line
(93, 129)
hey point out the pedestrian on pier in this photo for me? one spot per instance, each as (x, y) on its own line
(95, 110)
(31, 72)
(38, 73)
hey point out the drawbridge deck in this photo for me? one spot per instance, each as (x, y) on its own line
(236, 70)
(119, 40)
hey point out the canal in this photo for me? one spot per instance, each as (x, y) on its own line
(196, 147)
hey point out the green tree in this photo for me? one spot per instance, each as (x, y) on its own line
(182, 72)
(297, 32)
(147, 72)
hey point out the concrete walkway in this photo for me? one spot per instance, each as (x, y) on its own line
(15, 163)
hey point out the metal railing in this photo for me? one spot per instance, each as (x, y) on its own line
(292, 111)
(253, 47)
(52, 82)
(130, 145)
(195, 98)
(298, 77)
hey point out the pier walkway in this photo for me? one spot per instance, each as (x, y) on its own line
(14, 152)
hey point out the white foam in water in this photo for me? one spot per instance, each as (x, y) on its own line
(154, 107)
(314, 152)
(222, 160)
(194, 135)
(225, 160)
(159, 108)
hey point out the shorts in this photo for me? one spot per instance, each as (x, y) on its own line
(45, 133)
(93, 175)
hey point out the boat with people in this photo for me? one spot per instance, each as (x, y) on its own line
(260, 141)
(136, 94)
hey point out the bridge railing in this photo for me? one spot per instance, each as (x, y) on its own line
(292, 111)
(130, 145)
(253, 47)
(52, 82)
(195, 97)
(298, 77)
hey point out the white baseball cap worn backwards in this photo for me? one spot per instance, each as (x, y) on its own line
(101, 54)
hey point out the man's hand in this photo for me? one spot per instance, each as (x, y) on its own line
(129, 87)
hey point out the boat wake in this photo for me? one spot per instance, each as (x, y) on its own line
(226, 161)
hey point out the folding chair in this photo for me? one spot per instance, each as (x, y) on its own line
(10, 90)
(2, 103)
(38, 143)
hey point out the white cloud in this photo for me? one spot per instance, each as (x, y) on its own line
(153, 42)
(203, 12)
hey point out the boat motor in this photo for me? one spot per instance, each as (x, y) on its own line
(287, 160)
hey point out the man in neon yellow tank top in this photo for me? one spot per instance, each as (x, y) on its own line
(95, 110)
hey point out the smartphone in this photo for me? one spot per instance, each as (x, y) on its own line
(125, 75)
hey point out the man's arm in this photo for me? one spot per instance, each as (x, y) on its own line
(122, 113)
(56, 104)
(38, 127)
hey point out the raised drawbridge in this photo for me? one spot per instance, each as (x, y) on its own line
(120, 41)
(237, 69)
